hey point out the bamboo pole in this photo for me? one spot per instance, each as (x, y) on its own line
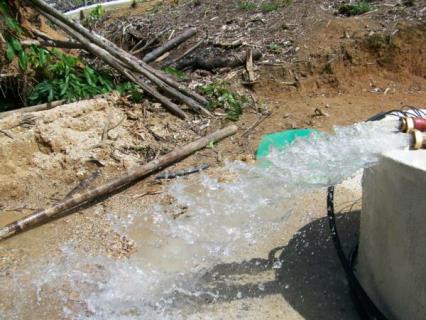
(169, 45)
(39, 107)
(130, 60)
(116, 64)
(52, 43)
(126, 179)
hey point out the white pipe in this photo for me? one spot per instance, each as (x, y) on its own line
(116, 3)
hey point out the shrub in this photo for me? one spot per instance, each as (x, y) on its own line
(222, 97)
(355, 9)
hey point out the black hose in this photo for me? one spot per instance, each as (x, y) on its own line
(365, 305)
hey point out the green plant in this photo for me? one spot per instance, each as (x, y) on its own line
(247, 5)
(180, 75)
(60, 76)
(132, 89)
(95, 14)
(13, 45)
(222, 97)
(273, 47)
(65, 77)
(356, 8)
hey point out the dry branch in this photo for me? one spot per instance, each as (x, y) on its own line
(169, 45)
(114, 185)
(251, 77)
(53, 43)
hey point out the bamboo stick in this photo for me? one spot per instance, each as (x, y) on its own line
(169, 45)
(116, 64)
(120, 54)
(52, 43)
(39, 107)
(126, 179)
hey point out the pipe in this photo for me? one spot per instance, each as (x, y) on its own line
(409, 124)
(419, 140)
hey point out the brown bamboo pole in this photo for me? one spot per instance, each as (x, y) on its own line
(126, 179)
(120, 54)
(39, 107)
(116, 64)
(52, 43)
(169, 45)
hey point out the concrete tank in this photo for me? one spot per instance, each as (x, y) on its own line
(392, 250)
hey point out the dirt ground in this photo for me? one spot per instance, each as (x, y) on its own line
(329, 70)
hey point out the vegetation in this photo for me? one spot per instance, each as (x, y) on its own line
(273, 47)
(180, 75)
(247, 5)
(356, 8)
(58, 76)
(132, 89)
(222, 97)
(95, 14)
(65, 77)
(274, 5)
(264, 6)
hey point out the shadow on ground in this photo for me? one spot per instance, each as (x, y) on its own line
(306, 272)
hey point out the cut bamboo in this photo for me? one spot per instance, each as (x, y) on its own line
(126, 179)
(169, 45)
(134, 64)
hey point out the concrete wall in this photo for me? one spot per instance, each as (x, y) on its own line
(392, 252)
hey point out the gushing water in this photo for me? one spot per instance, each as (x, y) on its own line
(216, 221)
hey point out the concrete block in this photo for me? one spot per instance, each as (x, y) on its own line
(392, 252)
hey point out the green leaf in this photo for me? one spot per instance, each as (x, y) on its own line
(16, 44)
(23, 60)
(10, 53)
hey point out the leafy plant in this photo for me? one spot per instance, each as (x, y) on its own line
(11, 24)
(180, 75)
(356, 8)
(13, 46)
(222, 97)
(247, 5)
(273, 47)
(60, 76)
(95, 14)
(132, 89)
(66, 77)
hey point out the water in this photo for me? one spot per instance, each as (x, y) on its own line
(217, 221)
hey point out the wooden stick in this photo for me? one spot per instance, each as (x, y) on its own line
(39, 107)
(169, 45)
(53, 43)
(250, 68)
(120, 54)
(113, 185)
(104, 55)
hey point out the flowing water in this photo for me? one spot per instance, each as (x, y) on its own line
(218, 220)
